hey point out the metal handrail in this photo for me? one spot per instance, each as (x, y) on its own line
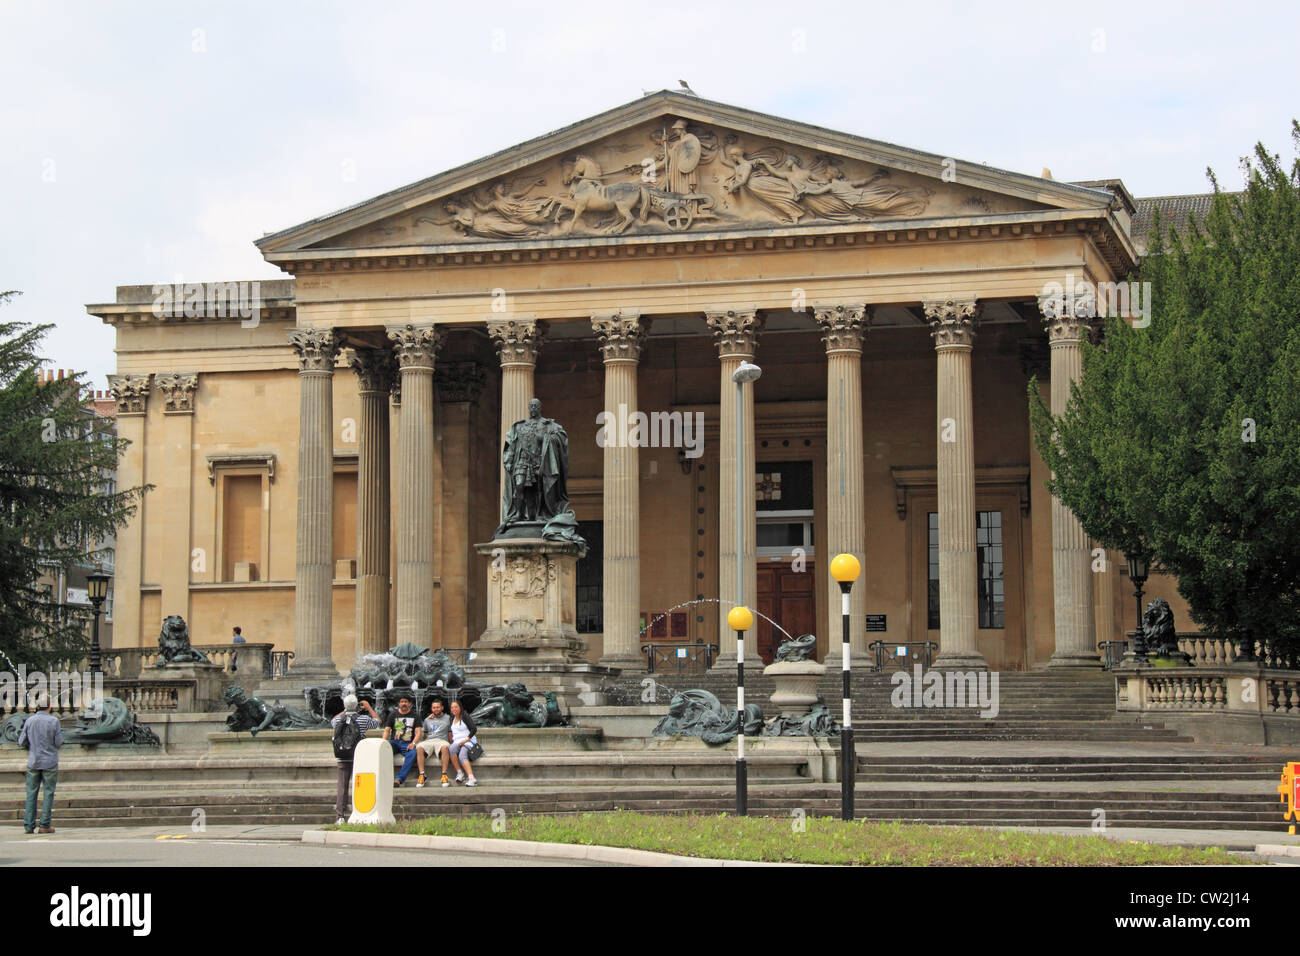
(280, 663)
(884, 653)
(694, 652)
(1112, 653)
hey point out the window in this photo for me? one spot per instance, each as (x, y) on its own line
(590, 583)
(988, 545)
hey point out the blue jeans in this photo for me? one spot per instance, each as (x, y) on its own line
(409, 762)
(34, 780)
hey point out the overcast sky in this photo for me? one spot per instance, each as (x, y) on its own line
(142, 142)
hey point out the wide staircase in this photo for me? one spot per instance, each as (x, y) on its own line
(1055, 756)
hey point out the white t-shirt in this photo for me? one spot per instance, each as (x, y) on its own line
(459, 733)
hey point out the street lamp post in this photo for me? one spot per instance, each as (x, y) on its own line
(1139, 569)
(845, 569)
(740, 617)
(97, 587)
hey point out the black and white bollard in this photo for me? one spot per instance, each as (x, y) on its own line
(845, 569)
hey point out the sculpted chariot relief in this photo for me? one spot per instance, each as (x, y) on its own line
(670, 181)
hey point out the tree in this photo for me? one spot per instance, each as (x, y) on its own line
(1183, 438)
(57, 460)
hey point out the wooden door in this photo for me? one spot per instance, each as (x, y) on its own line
(788, 597)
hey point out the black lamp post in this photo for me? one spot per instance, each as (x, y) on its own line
(1139, 569)
(97, 585)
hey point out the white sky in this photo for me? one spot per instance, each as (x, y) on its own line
(135, 150)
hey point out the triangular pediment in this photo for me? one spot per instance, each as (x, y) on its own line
(674, 165)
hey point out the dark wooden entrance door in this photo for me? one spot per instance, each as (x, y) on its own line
(787, 597)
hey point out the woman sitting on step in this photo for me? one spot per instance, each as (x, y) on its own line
(463, 743)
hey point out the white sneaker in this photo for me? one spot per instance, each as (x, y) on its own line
(339, 822)
(471, 782)
(460, 776)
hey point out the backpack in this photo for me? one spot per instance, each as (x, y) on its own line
(346, 737)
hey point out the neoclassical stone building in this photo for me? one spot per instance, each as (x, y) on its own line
(325, 461)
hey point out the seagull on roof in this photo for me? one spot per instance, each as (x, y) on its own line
(686, 88)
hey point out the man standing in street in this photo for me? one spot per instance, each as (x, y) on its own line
(361, 723)
(42, 736)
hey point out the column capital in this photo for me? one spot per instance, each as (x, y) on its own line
(416, 346)
(316, 349)
(1069, 319)
(735, 331)
(518, 339)
(952, 321)
(621, 334)
(178, 390)
(131, 393)
(459, 381)
(376, 369)
(843, 327)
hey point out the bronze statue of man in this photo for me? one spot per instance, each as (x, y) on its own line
(534, 490)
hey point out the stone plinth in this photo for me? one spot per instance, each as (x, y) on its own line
(796, 686)
(531, 613)
(206, 694)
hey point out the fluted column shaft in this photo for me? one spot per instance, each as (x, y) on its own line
(620, 335)
(1067, 323)
(375, 369)
(519, 341)
(314, 578)
(844, 329)
(736, 336)
(952, 324)
(415, 348)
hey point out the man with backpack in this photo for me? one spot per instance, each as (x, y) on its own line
(349, 728)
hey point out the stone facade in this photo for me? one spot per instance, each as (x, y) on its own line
(324, 470)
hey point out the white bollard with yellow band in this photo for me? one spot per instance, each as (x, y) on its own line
(372, 782)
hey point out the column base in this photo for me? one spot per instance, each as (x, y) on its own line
(321, 670)
(1084, 660)
(625, 663)
(960, 661)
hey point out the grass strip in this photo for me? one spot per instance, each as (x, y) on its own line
(822, 840)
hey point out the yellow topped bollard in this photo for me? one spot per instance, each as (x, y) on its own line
(845, 568)
(372, 782)
(1289, 789)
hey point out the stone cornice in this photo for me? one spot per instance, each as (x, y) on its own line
(416, 346)
(843, 327)
(952, 321)
(316, 349)
(735, 331)
(621, 334)
(179, 389)
(518, 339)
(131, 393)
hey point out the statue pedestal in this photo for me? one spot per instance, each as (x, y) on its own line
(206, 695)
(796, 686)
(531, 637)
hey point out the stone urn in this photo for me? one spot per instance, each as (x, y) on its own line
(796, 686)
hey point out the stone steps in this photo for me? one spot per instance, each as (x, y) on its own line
(1198, 810)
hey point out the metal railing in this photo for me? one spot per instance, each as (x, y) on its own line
(679, 658)
(1112, 652)
(902, 654)
(280, 664)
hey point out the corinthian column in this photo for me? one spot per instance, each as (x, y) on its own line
(952, 323)
(415, 347)
(518, 340)
(375, 370)
(621, 335)
(1067, 323)
(844, 328)
(132, 395)
(736, 335)
(313, 592)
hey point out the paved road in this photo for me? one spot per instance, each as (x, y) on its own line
(241, 846)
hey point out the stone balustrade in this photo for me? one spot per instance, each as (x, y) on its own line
(253, 664)
(1209, 649)
(1243, 702)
